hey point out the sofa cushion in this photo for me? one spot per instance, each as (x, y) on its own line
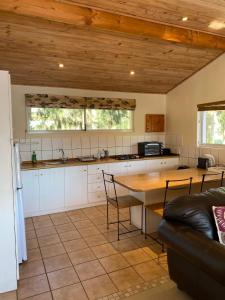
(219, 216)
(196, 211)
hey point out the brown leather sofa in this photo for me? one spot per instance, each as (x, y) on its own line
(196, 259)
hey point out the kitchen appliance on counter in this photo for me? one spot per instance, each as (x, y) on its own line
(208, 160)
(166, 151)
(149, 148)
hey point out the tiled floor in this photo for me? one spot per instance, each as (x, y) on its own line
(71, 255)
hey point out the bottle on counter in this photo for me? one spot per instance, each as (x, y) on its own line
(34, 158)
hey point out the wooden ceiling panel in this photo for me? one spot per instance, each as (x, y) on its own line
(201, 13)
(32, 48)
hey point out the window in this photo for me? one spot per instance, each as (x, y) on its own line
(55, 119)
(108, 119)
(212, 127)
(62, 119)
(60, 113)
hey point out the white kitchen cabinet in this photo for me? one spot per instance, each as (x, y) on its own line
(156, 165)
(75, 186)
(52, 187)
(30, 180)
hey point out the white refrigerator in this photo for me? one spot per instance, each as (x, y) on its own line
(19, 210)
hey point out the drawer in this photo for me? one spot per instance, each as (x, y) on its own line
(96, 197)
(97, 169)
(96, 187)
(94, 178)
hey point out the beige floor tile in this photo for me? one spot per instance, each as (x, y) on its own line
(48, 240)
(30, 234)
(92, 211)
(43, 224)
(83, 224)
(72, 292)
(124, 245)
(126, 278)
(32, 286)
(31, 268)
(61, 278)
(137, 256)
(45, 231)
(65, 227)
(28, 220)
(52, 250)
(150, 270)
(141, 241)
(29, 226)
(89, 231)
(32, 244)
(75, 245)
(40, 219)
(103, 228)
(114, 263)
(101, 220)
(100, 286)
(34, 254)
(152, 251)
(69, 235)
(89, 270)
(61, 220)
(81, 256)
(76, 215)
(8, 296)
(104, 250)
(95, 240)
(44, 296)
(57, 262)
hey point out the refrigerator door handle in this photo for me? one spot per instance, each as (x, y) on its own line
(19, 188)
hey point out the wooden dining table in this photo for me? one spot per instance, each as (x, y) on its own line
(150, 188)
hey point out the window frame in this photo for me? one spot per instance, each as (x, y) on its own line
(200, 133)
(28, 114)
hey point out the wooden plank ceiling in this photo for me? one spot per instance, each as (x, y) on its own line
(95, 58)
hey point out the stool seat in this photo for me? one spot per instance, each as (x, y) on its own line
(157, 208)
(125, 201)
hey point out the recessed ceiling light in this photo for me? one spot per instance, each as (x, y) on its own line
(132, 73)
(217, 25)
(61, 66)
(184, 19)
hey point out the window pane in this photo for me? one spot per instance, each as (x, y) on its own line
(48, 119)
(103, 119)
(213, 127)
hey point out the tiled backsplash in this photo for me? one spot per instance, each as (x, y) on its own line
(189, 153)
(48, 148)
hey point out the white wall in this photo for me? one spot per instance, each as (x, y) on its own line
(146, 103)
(8, 266)
(205, 86)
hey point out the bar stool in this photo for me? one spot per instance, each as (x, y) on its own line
(217, 177)
(171, 185)
(119, 202)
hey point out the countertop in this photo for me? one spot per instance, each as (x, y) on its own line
(157, 180)
(75, 162)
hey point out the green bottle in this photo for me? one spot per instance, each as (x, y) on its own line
(34, 158)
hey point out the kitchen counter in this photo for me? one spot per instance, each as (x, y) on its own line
(75, 162)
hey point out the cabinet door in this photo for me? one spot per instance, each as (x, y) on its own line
(154, 123)
(51, 189)
(136, 167)
(171, 163)
(75, 186)
(155, 165)
(30, 192)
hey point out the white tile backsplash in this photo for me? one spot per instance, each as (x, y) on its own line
(85, 142)
(57, 143)
(103, 141)
(75, 146)
(46, 144)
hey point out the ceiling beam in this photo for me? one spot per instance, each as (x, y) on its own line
(81, 16)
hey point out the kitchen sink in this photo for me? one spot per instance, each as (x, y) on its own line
(55, 162)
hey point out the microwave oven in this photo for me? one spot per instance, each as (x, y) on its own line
(149, 148)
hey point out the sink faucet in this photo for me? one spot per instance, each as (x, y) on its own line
(64, 159)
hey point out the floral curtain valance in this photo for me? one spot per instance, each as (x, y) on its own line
(218, 105)
(53, 101)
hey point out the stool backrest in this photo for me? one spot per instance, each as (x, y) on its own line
(177, 185)
(110, 186)
(212, 178)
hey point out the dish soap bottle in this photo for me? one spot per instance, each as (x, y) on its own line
(34, 158)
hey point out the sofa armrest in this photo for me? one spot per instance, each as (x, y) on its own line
(204, 253)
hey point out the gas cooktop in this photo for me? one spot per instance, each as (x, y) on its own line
(126, 156)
